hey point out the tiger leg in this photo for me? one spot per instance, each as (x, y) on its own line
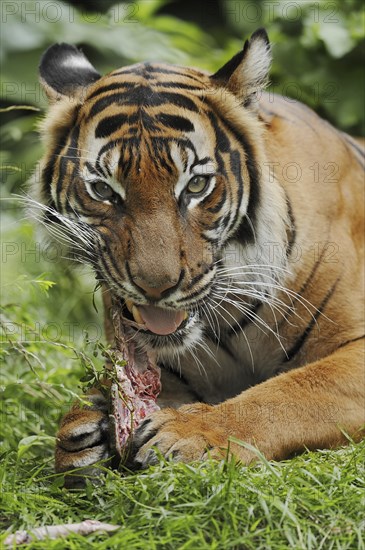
(83, 440)
(310, 407)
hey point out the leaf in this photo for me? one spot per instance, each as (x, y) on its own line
(19, 108)
(27, 442)
(58, 482)
(336, 38)
(43, 284)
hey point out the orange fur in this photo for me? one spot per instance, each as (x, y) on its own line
(313, 398)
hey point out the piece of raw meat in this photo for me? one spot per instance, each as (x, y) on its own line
(135, 383)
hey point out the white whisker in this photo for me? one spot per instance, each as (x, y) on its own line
(234, 331)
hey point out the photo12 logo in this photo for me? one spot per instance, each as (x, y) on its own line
(251, 11)
(54, 12)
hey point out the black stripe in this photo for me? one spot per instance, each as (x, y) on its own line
(111, 124)
(293, 231)
(100, 168)
(137, 96)
(149, 122)
(219, 205)
(222, 140)
(104, 102)
(245, 320)
(135, 71)
(109, 257)
(312, 274)
(60, 186)
(218, 341)
(51, 218)
(245, 232)
(69, 156)
(162, 153)
(221, 166)
(93, 169)
(82, 208)
(195, 280)
(49, 169)
(177, 99)
(179, 85)
(215, 225)
(110, 145)
(106, 268)
(108, 171)
(125, 165)
(120, 85)
(224, 346)
(197, 293)
(184, 143)
(156, 69)
(146, 68)
(294, 350)
(236, 169)
(212, 241)
(149, 151)
(69, 208)
(303, 288)
(199, 277)
(350, 342)
(203, 161)
(176, 122)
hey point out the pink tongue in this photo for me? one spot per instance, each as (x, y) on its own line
(161, 321)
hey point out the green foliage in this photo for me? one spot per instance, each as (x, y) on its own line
(313, 501)
(43, 333)
(318, 53)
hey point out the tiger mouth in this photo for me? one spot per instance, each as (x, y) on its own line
(156, 320)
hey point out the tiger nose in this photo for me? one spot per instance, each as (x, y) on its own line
(156, 292)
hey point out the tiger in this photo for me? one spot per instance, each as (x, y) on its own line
(230, 221)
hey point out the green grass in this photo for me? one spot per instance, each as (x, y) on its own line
(313, 501)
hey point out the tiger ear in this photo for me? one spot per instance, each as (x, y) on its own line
(65, 72)
(247, 71)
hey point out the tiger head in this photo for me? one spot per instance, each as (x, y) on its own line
(155, 174)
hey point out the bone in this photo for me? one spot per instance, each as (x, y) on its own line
(58, 531)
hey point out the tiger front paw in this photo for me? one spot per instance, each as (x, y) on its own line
(187, 434)
(83, 440)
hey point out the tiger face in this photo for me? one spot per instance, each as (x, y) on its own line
(154, 175)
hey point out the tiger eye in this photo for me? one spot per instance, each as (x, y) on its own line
(197, 184)
(103, 190)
